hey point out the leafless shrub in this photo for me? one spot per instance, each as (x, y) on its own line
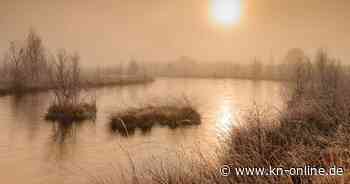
(14, 67)
(25, 64)
(65, 78)
(257, 69)
(68, 105)
(35, 61)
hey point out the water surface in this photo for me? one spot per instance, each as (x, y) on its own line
(35, 151)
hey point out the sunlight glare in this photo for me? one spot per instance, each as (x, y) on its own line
(226, 115)
(226, 12)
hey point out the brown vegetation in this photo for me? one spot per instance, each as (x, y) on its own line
(25, 67)
(66, 80)
(313, 129)
(145, 118)
(71, 113)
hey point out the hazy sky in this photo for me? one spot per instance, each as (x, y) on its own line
(107, 31)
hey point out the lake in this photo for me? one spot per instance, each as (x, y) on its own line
(35, 151)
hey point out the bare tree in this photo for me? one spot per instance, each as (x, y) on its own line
(133, 68)
(327, 71)
(25, 64)
(319, 80)
(257, 68)
(35, 59)
(65, 78)
(300, 78)
(293, 61)
(13, 66)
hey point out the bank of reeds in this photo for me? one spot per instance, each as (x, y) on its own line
(312, 130)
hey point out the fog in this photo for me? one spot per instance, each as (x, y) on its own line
(180, 91)
(109, 31)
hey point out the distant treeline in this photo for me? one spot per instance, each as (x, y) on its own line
(255, 70)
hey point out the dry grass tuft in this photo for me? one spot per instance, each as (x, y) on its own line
(146, 118)
(71, 113)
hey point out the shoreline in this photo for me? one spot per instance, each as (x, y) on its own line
(88, 85)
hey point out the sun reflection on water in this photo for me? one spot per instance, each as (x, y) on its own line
(225, 116)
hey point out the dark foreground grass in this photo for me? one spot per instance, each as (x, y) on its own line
(146, 118)
(289, 142)
(71, 113)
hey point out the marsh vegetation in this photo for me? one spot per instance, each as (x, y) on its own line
(25, 67)
(312, 127)
(172, 116)
(68, 106)
(29, 67)
(181, 91)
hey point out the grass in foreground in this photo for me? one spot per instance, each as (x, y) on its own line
(146, 118)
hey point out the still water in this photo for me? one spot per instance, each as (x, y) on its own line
(35, 151)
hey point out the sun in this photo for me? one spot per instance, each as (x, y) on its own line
(226, 12)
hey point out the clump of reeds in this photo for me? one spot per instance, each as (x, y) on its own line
(71, 113)
(147, 117)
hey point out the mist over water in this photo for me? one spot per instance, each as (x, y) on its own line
(94, 90)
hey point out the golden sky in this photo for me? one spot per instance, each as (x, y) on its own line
(107, 31)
